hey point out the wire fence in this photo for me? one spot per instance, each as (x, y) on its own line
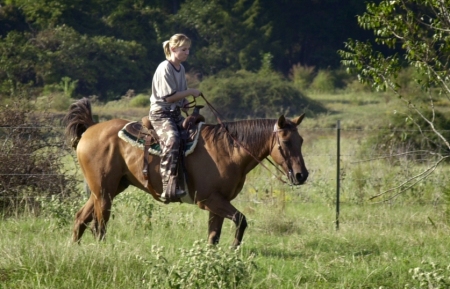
(346, 165)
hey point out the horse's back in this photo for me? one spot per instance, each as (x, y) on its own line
(101, 134)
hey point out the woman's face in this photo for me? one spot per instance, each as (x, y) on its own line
(180, 53)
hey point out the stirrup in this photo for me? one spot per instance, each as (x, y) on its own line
(178, 194)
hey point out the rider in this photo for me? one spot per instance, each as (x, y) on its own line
(169, 92)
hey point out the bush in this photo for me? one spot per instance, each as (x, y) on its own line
(323, 82)
(301, 76)
(32, 155)
(245, 94)
(140, 100)
(203, 266)
(429, 275)
(409, 134)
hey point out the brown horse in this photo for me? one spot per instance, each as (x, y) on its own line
(216, 170)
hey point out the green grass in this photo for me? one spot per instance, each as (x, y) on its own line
(291, 241)
(294, 245)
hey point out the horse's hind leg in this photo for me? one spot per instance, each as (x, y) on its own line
(102, 209)
(110, 188)
(82, 218)
(215, 223)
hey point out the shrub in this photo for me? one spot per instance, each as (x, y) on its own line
(429, 275)
(140, 100)
(202, 266)
(323, 82)
(245, 94)
(301, 76)
(32, 155)
(60, 209)
(410, 134)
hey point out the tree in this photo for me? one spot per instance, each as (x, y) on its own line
(419, 30)
(220, 35)
(108, 46)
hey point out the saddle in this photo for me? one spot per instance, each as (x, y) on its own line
(144, 135)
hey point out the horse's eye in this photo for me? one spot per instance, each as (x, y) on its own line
(286, 142)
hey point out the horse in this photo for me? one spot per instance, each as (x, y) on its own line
(216, 170)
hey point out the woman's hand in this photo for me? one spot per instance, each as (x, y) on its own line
(195, 92)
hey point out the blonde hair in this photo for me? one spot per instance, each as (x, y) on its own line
(176, 40)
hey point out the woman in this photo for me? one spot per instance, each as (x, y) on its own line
(169, 92)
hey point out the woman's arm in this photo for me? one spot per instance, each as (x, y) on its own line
(182, 94)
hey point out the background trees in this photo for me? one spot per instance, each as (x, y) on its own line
(112, 46)
(420, 31)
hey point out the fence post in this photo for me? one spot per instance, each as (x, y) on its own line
(338, 170)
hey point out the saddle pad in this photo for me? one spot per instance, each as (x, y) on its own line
(155, 149)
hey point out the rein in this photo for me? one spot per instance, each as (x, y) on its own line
(217, 115)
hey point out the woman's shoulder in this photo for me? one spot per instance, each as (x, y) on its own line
(164, 64)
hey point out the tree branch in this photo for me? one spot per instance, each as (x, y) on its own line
(418, 178)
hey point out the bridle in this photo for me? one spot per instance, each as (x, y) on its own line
(275, 137)
(287, 161)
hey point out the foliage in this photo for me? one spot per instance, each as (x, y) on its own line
(140, 100)
(113, 46)
(202, 266)
(99, 65)
(430, 275)
(324, 81)
(302, 76)
(143, 206)
(421, 30)
(409, 133)
(31, 154)
(217, 33)
(16, 65)
(60, 210)
(59, 95)
(245, 94)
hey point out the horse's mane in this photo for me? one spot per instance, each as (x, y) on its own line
(252, 133)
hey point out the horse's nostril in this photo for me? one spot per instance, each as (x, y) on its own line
(301, 177)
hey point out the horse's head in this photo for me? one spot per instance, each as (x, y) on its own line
(287, 149)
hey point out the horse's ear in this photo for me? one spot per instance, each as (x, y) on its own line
(299, 119)
(281, 121)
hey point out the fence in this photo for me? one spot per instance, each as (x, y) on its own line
(355, 166)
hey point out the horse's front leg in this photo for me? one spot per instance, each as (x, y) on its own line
(221, 207)
(215, 223)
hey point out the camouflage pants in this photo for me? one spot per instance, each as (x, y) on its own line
(167, 127)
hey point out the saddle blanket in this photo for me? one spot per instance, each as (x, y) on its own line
(155, 148)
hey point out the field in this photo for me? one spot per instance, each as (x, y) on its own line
(291, 241)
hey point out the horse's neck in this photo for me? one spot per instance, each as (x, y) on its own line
(253, 147)
(243, 141)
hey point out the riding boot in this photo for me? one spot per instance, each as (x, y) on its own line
(170, 190)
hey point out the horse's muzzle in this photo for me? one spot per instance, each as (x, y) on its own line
(298, 178)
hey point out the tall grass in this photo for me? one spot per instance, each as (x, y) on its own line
(291, 241)
(290, 246)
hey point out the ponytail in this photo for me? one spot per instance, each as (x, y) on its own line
(176, 40)
(166, 47)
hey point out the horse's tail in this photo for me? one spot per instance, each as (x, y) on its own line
(77, 120)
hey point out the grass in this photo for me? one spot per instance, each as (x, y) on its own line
(292, 246)
(291, 241)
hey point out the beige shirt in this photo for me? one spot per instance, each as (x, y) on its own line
(166, 82)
